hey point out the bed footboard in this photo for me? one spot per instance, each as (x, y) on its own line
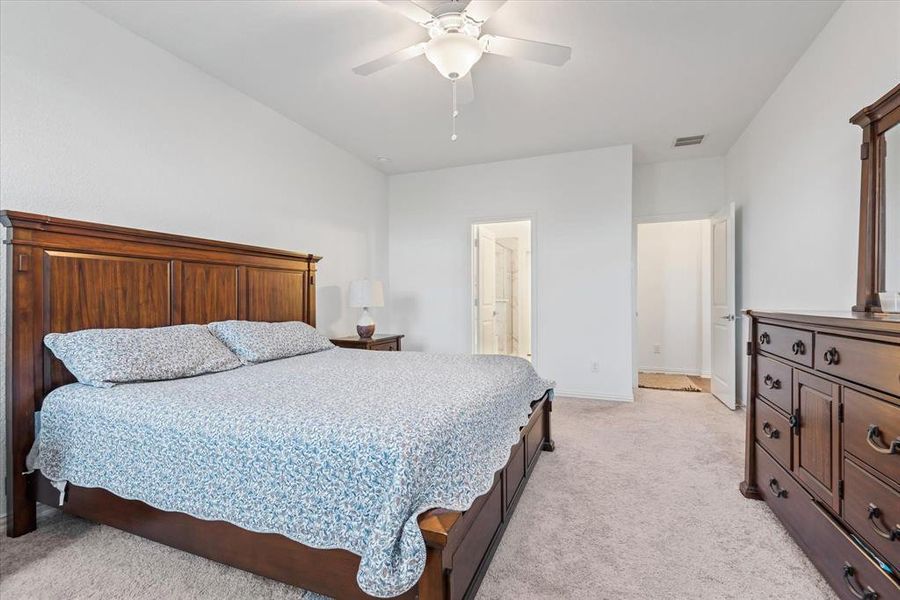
(461, 545)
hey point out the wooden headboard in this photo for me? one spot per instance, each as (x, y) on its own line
(65, 275)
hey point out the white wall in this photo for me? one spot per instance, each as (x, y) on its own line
(683, 189)
(673, 297)
(581, 206)
(99, 124)
(794, 172)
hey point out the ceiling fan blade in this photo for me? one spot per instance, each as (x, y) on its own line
(481, 10)
(541, 52)
(390, 60)
(410, 10)
(465, 89)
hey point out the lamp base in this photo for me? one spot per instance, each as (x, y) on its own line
(365, 327)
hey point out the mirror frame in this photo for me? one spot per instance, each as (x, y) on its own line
(875, 120)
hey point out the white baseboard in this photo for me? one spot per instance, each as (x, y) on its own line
(674, 371)
(593, 396)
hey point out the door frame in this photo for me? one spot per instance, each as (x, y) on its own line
(473, 316)
(643, 220)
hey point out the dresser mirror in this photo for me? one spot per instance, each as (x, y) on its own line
(878, 265)
(892, 209)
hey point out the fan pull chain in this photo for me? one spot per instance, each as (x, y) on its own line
(454, 112)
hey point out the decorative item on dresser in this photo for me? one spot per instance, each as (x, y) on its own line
(64, 275)
(823, 407)
(381, 341)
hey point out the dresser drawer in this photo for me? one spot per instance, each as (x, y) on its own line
(873, 364)
(792, 344)
(773, 382)
(872, 508)
(782, 493)
(387, 346)
(852, 573)
(872, 432)
(773, 432)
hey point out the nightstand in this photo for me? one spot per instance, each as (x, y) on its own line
(379, 341)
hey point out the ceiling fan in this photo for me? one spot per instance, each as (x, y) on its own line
(456, 44)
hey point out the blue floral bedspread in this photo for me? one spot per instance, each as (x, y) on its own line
(337, 449)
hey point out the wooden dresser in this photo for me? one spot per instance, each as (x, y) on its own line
(823, 441)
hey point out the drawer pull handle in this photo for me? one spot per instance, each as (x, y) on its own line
(876, 445)
(777, 489)
(770, 432)
(798, 347)
(875, 517)
(772, 383)
(764, 339)
(832, 356)
(855, 589)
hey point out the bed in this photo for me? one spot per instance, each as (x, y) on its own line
(68, 275)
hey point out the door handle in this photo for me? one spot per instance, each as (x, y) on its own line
(727, 317)
(794, 421)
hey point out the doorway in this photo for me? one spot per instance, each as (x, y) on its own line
(501, 288)
(674, 279)
(685, 323)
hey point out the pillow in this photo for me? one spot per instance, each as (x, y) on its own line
(105, 357)
(258, 341)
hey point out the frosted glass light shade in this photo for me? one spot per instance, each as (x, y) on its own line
(454, 54)
(365, 293)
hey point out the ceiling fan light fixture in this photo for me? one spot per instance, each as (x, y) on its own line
(454, 54)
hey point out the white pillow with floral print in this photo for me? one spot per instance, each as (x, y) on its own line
(105, 357)
(259, 341)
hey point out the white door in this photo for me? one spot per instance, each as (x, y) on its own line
(486, 247)
(723, 327)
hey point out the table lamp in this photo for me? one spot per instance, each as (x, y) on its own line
(365, 294)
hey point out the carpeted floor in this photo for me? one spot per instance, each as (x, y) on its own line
(638, 501)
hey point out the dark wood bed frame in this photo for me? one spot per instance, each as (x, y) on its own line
(65, 275)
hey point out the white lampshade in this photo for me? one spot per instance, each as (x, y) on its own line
(454, 54)
(365, 293)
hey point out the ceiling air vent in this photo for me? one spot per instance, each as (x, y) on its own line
(691, 140)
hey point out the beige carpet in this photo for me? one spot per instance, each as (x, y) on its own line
(666, 381)
(638, 501)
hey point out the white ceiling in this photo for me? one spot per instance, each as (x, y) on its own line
(641, 72)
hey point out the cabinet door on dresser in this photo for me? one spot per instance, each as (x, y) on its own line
(816, 436)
